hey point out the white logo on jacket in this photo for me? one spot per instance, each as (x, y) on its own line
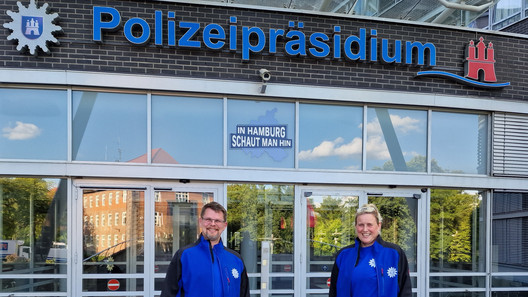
(235, 273)
(372, 263)
(392, 272)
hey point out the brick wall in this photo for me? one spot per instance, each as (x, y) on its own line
(77, 50)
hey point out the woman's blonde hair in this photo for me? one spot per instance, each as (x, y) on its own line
(369, 208)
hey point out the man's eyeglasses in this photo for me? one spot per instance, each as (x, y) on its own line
(209, 221)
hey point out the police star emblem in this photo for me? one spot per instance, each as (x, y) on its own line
(235, 273)
(33, 27)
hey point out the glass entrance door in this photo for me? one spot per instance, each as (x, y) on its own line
(176, 213)
(400, 223)
(329, 227)
(113, 237)
(330, 219)
(129, 235)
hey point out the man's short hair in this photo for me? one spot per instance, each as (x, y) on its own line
(216, 207)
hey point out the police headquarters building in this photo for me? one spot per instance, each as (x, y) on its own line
(121, 119)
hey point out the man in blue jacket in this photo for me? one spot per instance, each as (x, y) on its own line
(371, 267)
(206, 268)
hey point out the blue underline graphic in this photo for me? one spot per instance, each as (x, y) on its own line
(462, 79)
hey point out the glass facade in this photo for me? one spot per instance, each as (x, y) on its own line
(129, 235)
(506, 12)
(260, 133)
(105, 131)
(457, 247)
(187, 130)
(33, 118)
(459, 143)
(396, 139)
(457, 231)
(190, 130)
(400, 220)
(33, 235)
(510, 232)
(330, 136)
(330, 227)
(108, 238)
(260, 227)
(176, 222)
(109, 151)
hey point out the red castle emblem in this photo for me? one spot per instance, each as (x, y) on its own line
(479, 68)
(480, 61)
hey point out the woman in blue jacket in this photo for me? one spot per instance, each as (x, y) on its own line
(371, 267)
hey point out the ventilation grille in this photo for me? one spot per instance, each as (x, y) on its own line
(510, 145)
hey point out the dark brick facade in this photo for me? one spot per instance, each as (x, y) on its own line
(77, 50)
(520, 27)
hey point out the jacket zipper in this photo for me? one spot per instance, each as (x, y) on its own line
(211, 249)
(212, 266)
(382, 287)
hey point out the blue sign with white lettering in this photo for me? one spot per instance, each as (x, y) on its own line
(265, 136)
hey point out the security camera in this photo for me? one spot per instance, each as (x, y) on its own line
(265, 74)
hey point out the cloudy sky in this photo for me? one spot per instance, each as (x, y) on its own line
(336, 139)
(33, 124)
(21, 131)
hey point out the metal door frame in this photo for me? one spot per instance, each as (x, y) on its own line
(362, 192)
(149, 187)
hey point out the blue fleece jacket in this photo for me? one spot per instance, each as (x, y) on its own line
(200, 270)
(389, 263)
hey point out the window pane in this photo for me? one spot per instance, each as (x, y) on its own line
(515, 281)
(176, 225)
(187, 130)
(33, 229)
(260, 133)
(261, 229)
(510, 227)
(103, 251)
(458, 229)
(459, 143)
(330, 136)
(400, 218)
(330, 227)
(505, 9)
(396, 139)
(109, 127)
(32, 119)
(176, 222)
